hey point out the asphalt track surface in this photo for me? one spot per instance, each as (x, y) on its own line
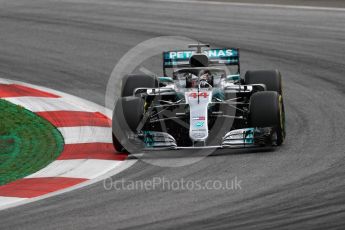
(72, 46)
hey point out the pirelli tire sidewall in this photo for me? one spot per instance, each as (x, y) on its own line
(127, 116)
(266, 109)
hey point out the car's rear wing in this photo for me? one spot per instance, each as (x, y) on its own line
(217, 57)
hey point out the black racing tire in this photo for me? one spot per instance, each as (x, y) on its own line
(266, 109)
(127, 116)
(117, 145)
(132, 81)
(271, 78)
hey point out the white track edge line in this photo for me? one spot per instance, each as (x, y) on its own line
(86, 134)
(254, 5)
(76, 168)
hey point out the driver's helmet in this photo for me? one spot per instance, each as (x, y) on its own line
(206, 77)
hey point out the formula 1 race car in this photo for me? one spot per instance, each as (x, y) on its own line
(202, 103)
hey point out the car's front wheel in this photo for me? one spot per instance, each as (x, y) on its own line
(266, 110)
(127, 116)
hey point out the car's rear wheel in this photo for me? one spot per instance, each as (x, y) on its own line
(272, 79)
(266, 110)
(133, 81)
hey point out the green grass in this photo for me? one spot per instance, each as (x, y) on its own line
(28, 142)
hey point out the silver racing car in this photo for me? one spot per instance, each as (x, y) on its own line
(200, 102)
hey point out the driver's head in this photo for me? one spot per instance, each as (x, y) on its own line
(205, 75)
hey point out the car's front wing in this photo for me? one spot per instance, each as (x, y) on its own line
(238, 138)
